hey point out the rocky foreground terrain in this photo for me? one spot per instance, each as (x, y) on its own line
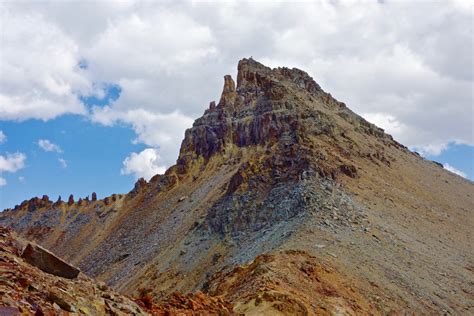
(282, 201)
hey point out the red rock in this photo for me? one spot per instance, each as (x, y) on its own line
(48, 262)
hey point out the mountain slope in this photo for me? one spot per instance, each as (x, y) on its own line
(277, 165)
(26, 290)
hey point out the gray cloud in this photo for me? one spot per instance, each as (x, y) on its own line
(408, 66)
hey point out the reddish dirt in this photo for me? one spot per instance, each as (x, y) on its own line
(289, 283)
(190, 304)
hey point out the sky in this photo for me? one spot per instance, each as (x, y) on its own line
(95, 94)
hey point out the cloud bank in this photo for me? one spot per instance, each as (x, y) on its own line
(407, 67)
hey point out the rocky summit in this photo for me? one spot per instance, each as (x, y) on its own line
(282, 201)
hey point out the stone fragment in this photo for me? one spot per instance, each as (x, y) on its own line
(48, 262)
(62, 300)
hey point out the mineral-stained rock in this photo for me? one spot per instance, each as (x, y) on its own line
(48, 262)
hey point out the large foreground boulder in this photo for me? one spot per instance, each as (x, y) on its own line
(48, 262)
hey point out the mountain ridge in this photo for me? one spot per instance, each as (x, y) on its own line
(277, 166)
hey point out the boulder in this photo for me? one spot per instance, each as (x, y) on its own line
(94, 196)
(48, 262)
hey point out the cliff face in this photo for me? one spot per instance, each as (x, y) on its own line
(277, 165)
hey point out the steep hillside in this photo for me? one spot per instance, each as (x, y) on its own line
(27, 290)
(278, 166)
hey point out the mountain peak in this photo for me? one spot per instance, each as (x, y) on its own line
(251, 72)
(277, 167)
(228, 92)
(276, 109)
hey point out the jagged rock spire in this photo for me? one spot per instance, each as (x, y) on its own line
(228, 93)
(70, 201)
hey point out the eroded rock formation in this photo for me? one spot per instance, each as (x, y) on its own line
(277, 166)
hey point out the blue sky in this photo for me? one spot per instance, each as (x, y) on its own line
(92, 155)
(458, 156)
(110, 87)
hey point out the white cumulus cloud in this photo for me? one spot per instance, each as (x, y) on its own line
(12, 162)
(454, 170)
(146, 164)
(47, 145)
(3, 182)
(153, 129)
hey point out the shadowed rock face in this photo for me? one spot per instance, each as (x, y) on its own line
(275, 107)
(251, 114)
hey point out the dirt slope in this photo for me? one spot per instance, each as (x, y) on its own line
(278, 165)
